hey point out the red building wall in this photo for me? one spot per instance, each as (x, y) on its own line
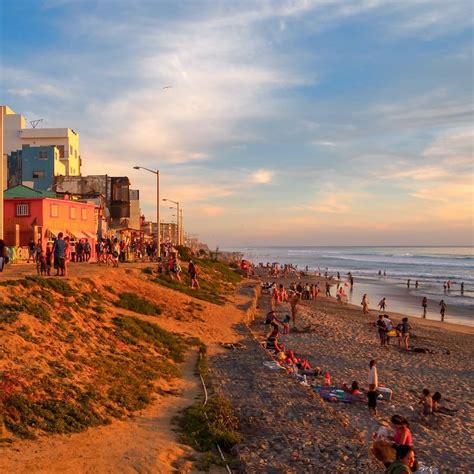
(46, 217)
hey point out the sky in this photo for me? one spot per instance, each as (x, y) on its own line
(273, 122)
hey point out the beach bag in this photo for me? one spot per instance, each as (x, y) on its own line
(392, 333)
(385, 393)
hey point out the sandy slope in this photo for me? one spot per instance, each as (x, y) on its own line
(145, 443)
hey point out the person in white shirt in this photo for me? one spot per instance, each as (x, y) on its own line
(373, 384)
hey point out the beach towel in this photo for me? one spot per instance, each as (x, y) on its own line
(273, 365)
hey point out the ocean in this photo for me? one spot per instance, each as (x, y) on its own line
(431, 266)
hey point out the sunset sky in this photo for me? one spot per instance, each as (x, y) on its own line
(303, 122)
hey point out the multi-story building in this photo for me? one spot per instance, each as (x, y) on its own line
(16, 136)
(134, 221)
(116, 192)
(35, 167)
(40, 215)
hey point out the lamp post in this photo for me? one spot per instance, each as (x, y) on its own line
(158, 240)
(178, 227)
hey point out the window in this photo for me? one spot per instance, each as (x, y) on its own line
(38, 174)
(71, 150)
(54, 210)
(61, 150)
(43, 155)
(84, 214)
(72, 212)
(22, 210)
(75, 153)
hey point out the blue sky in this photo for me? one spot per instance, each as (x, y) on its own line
(288, 122)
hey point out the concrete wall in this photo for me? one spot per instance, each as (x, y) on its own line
(33, 164)
(65, 138)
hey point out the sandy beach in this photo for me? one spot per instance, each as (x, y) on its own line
(340, 339)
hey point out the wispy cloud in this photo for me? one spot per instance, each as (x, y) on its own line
(262, 176)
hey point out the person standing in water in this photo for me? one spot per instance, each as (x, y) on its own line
(408, 283)
(442, 309)
(424, 304)
(462, 288)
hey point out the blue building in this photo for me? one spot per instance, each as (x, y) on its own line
(35, 166)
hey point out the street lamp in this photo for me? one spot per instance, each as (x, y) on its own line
(158, 241)
(178, 227)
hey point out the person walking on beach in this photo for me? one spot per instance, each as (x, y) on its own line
(294, 300)
(373, 381)
(365, 304)
(408, 283)
(424, 304)
(382, 330)
(328, 290)
(442, 309)
(383, 304)
(405, 334)
(193, 273)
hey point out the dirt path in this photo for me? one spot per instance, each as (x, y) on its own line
(144, 444)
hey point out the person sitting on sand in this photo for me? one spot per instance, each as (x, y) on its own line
(286, 324)
(426, 403)
(404, 462)
(272, 338)
(365, 304)
(437, 408)
(269, 317)
(355, 390)
(402, 431)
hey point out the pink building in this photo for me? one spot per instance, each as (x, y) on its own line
(40, 215)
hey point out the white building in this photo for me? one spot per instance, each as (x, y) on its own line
(16, 135)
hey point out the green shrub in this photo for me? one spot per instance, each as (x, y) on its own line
(167, 343)
(137, 304)
(8, 317)
(147, 270)
(203, 426)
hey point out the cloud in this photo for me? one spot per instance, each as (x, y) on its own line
(262, 176)
(323, 143)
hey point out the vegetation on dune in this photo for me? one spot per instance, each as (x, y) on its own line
(165, 342)
(138, 304)
(101, 367)
(216, 279)
(204, 426)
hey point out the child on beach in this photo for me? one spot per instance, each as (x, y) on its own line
(442, 309)
(382, 304)
(365, 304)
(405, 328)
(286, 324)
(425, 403)
(40, 262)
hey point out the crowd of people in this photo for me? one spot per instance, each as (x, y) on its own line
(393, 443)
